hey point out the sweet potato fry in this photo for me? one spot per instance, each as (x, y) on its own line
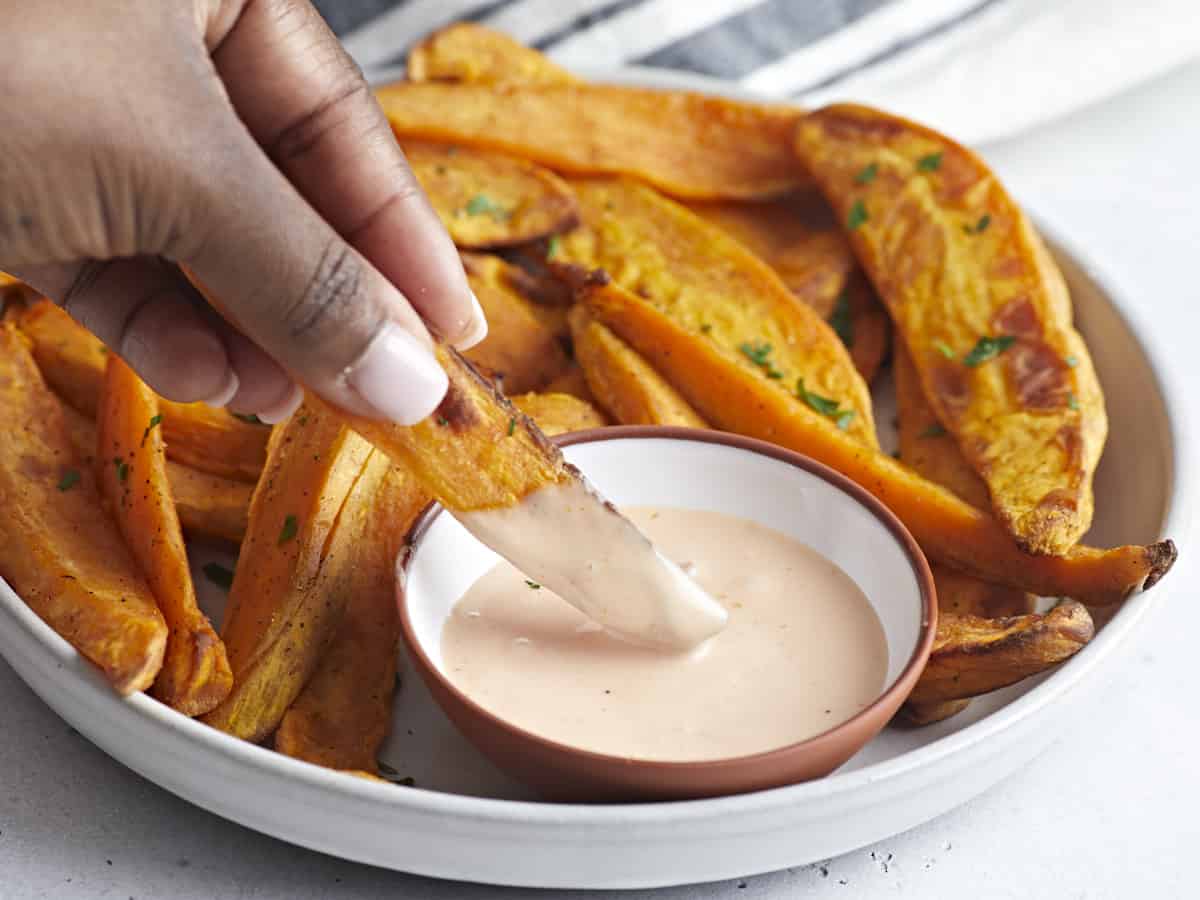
(929, 713)
(208, 505)
(559, 413)
(131, 471)
(72, 361)
(949, 530)
(471, 53)
(973, 656)
(689, 145)
(60, 551)
(343, 714)
(288, 590)
(712, 286)
(623, 382)
(521, 351)
(981, 306)
(572, 382)
(487, 199)
(797, 236)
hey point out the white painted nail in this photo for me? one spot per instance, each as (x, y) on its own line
(284, 408)
(227, 391)
(398, 377)
(478, 329)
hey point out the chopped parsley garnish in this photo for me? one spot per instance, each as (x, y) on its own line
(512, 425)
(867, 174)
(443, 421)
(552, 246)
(122, 469)
(155, 421)
(930, 162)
(533, 585)
(760, 355)
(482, 204)
(69, 479)
(290, 527)
(825, 406)
(219, 575)
(987, 348)
(1072, 401)
(858, 215)
(933, 431)
(1072, 361)
(251, 419)
(841, 321)
(943, 348)
(979, 227)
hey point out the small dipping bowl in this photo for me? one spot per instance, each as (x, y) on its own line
(702, 470)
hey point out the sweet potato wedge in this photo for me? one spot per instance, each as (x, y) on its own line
(972, 656)
(131, 471)
(477, 451)
(623, 382)
(950, 531)
(714, 287)
(208, 505)
(572, 382)
(981, 306)
(522, 352)
(930, 713)
(466, 52)
(60, 551)
(689, 145)
(72, 361)
(344, 712)
(287, 595)
(487, 199)
(559, 413)
(797, 236)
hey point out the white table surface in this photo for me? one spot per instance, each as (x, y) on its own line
(1108, 811)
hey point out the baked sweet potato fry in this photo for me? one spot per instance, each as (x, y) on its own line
(572, 382)
(559, 413)
(131, 471)
(623, 382)
(466, 52)
(487, 199)
(972, 656)
(949, 530)
(929, 713)
(60, 551)
(981, 306)
(714, 287)
(522, 350)
(72, 361)
(689, 145)
(344, 712)
(288, 590)
(797, 236)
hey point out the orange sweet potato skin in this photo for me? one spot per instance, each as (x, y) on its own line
(956, 262)
(72, 361)
(689, 145)
(949, 530)
(467, 52)
(131, 470)
(60, 552)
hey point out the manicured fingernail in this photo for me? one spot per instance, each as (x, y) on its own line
(477, 330)
(227, 392)
(398, 377)
(284, 408)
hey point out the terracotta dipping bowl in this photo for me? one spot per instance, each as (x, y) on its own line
(702, 470)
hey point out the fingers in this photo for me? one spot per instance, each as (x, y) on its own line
(305, 101)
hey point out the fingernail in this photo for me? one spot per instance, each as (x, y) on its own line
(398, 377)
(227, 392)
(284, 408)
(478, 328)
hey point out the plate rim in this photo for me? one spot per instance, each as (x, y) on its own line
(468, 808)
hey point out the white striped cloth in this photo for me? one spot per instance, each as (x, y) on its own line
(981, 70)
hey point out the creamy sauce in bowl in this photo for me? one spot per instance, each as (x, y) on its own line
(803, 651)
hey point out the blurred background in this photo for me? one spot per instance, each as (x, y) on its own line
(982, 70)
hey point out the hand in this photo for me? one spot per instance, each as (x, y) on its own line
(234, 137)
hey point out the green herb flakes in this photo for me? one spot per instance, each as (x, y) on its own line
(760, 355)
(482, 204)
(867, 174)
(155, 421)
(987, 348)
(1072, 361)
(69, 479)
(122, 469)
(251, 419)
(1072, 401)
(823, 405)
(858, 215)
(844, 418)
(979, 227)
(289, 529)
(943, 348)
(552, 246)
(841, 320)
(533, 585)
(930, 162)
(512, 425)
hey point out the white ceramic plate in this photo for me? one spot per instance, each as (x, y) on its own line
(466, 821)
